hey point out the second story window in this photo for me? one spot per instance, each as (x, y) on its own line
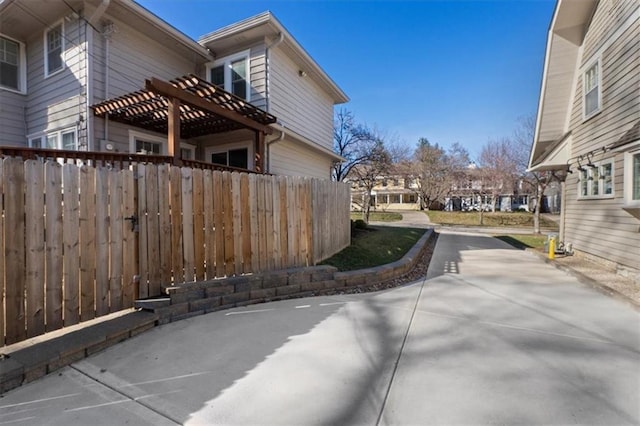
(11, 65)
(231, 73)
(591, 86)
(54, 48)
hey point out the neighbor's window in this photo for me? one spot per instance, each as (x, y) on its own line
(148, 147)
(231, 74)
(632, 178)
(635, 193)
(591, 86)
(11, 64)
(54, 48)
(597, 181)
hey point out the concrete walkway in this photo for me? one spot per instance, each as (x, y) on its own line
(493, 335)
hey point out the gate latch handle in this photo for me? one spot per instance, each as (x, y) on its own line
(134, 222)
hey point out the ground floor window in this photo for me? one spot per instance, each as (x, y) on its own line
(394, 198)
(144, 143)
(66, 139)
(233, 158)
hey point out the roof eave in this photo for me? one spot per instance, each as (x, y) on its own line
(267, 18)
(176, 34)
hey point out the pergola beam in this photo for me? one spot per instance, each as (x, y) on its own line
(170, 91)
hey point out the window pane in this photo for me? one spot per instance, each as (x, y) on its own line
(591, 97)
(238, 158)
(584, 182)
(607, 179)
(219, 158)
(52, 141)
(146, 147)
(217, 76)
(36, 143)
(636, 177)
(9, 63)
(185, 153)
(54, 49)
(591, 102)
(239, 78)
(595, 182)
(69, 141)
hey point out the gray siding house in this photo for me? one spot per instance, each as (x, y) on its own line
(588, 127)
(57, 59)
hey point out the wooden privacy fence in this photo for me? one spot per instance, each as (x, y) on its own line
(78, 242)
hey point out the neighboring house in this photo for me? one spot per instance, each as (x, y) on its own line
(588, 126)
(389, 193)
(58, 59)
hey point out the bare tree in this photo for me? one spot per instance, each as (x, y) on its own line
(367, 173)
(498, 169)
(354, 142)
(431, 169)
(537, 181)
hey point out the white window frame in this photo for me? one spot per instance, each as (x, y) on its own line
(628, 176)
(218, 149)
(58, 134)
(226, 62)
(594, 63)
(22, 68)
(590, 172)
(48, 74)
(134, 135)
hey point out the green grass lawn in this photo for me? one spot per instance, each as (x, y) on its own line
(495, 219)
(524, 241)
(374, 246)
(378, 216)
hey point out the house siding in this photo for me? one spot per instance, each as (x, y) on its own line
(12, 118)
(288, 158)
(601, 227)
(298, 102)
(58, 101)
(133, 57)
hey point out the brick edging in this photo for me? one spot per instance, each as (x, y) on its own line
(30, 362)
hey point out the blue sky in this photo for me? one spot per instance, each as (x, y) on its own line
(450, 71)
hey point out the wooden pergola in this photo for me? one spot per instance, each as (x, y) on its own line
(188, 107)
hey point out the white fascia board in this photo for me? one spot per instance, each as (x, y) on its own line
(167, 28)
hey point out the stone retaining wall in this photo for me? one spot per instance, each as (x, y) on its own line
(191, 299)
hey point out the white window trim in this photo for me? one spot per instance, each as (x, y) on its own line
(601, 195)
(22, 71)
(628, 176)
(46, 49)
(134, 134)
(226, 61)
(597, 61)
(58, 133)
(217, 149)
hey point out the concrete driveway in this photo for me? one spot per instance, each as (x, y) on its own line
(493, 335)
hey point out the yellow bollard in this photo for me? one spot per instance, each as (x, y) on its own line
(552, 248)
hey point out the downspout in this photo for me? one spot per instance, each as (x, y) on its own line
(268, 150)
(268, 67)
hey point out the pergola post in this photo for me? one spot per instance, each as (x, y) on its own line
(174, 131)
(259, 157)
